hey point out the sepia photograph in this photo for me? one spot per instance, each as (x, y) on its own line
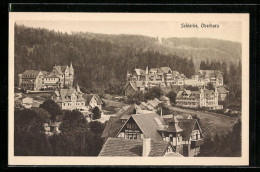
(138, 88)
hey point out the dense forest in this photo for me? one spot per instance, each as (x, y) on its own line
(101, 61)
(100, 66)
(77, 138)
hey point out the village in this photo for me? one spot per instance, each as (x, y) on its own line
(160, 126)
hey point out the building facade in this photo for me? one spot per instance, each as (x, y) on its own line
(203, 98)
(184, 135)
(35, 80)
(69, 99)
(32, 80)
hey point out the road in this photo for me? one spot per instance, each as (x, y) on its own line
(211, 123)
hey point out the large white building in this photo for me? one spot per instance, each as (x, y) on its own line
(204, 98)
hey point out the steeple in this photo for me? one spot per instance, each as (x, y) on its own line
(71, 67)
(78, 89)
(146, 70)
(174, 126)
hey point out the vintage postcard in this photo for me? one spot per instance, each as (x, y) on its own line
(128, 89)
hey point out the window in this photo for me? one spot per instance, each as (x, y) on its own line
(132, 134)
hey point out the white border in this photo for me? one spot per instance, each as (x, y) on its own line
(30, 160)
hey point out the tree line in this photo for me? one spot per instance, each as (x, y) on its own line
(100, 66)
(78, 137)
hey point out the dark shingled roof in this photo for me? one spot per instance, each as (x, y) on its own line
(32, 73)
(187, 125)
(112, 127)
(127, 147)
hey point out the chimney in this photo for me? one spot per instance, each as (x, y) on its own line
(146, 146)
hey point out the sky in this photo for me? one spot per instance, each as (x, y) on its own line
(163, 29)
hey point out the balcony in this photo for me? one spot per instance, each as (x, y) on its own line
(196, 143)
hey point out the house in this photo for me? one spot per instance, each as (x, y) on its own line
(166, 101)
(93, 100)
(64, 73)
(134, 148)
(145, 106)
(198, 99)
(52, 128)
(27, 102)
(222, 93)
(36, 80)
(184, 135)
(32, 80)
(69, 99)
(213, 76)
(154, 103)
(132, 87)
(194, 82)
(162, 76)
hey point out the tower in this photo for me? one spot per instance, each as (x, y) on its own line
(146, 76)
(71, 75)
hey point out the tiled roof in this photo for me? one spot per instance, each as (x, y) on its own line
(139, 71)
(157, 70)
(148, 125)
(222, 90)
(164, 98)
(166, 69)
(173, 126)
(129, 111)
(187, 125)
(61, 69)
(127, 147)
(155, 102)
(210, 73)
(173, 154)
(132, 84)
(30, 74)
(62, 95)
(113, 126)
(88, 97)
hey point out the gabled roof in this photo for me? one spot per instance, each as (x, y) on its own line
(88, 97)
(166, 69)
(129, 111)
(148, 125)
(164, 98)
(132, 147)
(157, 70)
(112, 127)
(191, 94)
(187, 125)
(132, 85)
(64, 94)
(222, 90)
(210, 73)
(139, 71)
(173, 126)
(61, 69)
(30, 73)
(155, 102)
(175, 73)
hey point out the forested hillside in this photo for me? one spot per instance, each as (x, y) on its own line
(196, 48)
(100, 65)
(101, 61)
